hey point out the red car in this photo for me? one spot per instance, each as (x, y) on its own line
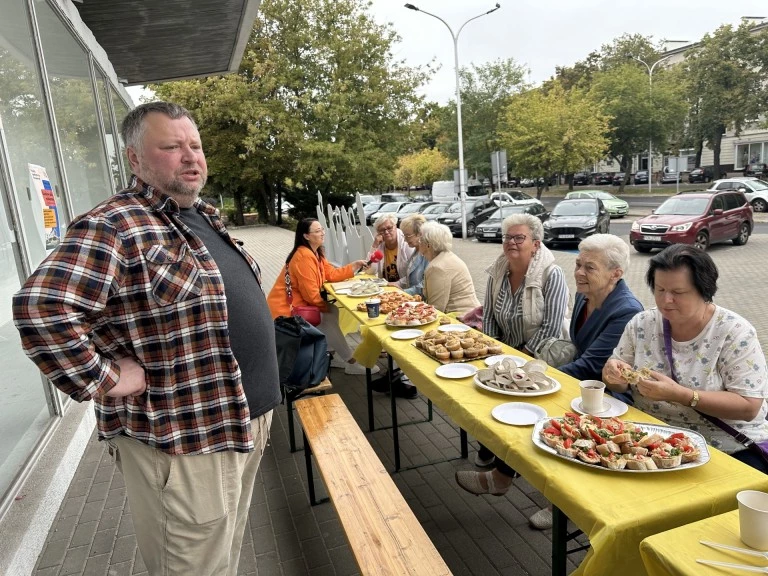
(698, 218)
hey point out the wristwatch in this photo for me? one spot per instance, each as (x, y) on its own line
(695, 399)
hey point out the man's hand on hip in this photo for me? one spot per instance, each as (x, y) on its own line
(132, 379)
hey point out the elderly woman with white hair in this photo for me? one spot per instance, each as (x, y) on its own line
(392, 243)
(447, 282)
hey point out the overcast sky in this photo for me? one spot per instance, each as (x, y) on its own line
(543, 34)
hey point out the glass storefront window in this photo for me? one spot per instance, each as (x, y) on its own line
(121, 111)
(752, 153)
(24, 411)
(109, 131)
(69, 77)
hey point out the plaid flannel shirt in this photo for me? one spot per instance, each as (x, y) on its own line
(130, 280)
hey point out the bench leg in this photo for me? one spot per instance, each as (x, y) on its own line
(291, 431)
(464, 443)
(429, 410)
(310, 478)
(369, 392)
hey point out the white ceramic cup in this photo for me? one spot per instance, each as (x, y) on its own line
(753, 518)
(592, 392)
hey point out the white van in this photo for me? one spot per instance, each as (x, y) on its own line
(444, 191)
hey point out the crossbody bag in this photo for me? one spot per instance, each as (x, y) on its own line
(310, 313)
(759, 448)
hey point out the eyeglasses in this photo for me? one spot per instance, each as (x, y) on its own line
(387, 229)
(409, 236)
(318, 231)
(517, 238)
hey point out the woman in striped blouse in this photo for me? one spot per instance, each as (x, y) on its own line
(526, 302)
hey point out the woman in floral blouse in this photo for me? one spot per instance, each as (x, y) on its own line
(718, 367)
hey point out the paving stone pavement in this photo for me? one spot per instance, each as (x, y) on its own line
(93, 532)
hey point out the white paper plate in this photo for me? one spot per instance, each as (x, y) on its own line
(518, 413)
(454, 328)
(407, 334)
(456, 370)
(555, 388)
(612, 407)
(519, 360)
(697, 439)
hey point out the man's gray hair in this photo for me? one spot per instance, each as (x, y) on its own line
(437, 236)
(132, 128)
(533, 223)
(613, 250)
(383, 219)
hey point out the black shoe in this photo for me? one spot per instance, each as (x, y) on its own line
(381, 384)
(407, 392)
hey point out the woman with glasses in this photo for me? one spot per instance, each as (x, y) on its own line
(448, 284)
(526, 302)
(395, 248)
(413, 281)
(307, 270)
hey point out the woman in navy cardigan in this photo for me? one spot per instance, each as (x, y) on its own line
(604, 305)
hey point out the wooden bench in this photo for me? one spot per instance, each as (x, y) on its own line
(320, 389)
(383, 533)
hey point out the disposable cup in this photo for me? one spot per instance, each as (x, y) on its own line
(372, 306)
(753, 518)
(592, 392)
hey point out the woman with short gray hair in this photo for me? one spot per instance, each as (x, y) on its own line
(413, 281)
(448, 284)
(532, 222)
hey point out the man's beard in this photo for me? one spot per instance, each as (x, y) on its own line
(175, 186)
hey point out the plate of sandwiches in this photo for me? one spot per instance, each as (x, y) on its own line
(620, 446)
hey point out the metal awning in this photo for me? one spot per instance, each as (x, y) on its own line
(155, 41)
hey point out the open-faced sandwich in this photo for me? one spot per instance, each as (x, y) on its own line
(634, 376)
(615, 444)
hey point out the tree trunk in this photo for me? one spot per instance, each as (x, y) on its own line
(237, 194)
(717, 142)
(279, 214)
(570, 182)
(699, 149)
(623, 167)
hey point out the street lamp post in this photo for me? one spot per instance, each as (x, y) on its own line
(462, 193)
(650, 96)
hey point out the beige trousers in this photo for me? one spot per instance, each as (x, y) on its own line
(190, 512)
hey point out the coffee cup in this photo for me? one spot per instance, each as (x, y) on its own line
(592, 392)
(372, 306)
(753, 518)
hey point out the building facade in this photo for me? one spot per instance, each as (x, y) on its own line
(63, 67)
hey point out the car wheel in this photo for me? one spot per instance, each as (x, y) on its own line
(743, 236)
(470, 228)
(702, 241)
(642, 249)
(759, 205)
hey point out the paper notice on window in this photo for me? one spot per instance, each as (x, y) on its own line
(44, 204)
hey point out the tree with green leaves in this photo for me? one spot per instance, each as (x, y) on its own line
(422, 168)
(726, 87)
(637, 114)
(319, 105)
(485, 89)
(548, 131)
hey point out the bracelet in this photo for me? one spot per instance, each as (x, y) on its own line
(695, 399)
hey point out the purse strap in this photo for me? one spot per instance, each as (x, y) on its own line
(288, 289)
(740, 437)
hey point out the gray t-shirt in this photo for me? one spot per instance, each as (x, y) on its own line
(251, 329)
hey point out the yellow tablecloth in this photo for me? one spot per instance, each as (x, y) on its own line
(674, 553)
(615, 510)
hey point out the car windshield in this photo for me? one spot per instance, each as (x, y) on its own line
(390, 207)
(682, 206)
(500, 213)
(435, 209)
(455, 208)
(520, 196)
(575, 208)
(372, 207)
(604, 196)
(758, 185)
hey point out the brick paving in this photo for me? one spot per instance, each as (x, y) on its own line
(93, 532)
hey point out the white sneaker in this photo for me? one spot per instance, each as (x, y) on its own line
(358, 368)
(542, 520)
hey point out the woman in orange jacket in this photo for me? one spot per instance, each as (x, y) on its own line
(309, 270)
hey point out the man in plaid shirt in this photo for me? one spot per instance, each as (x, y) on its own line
(150, 309)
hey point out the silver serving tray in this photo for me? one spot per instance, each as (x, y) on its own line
(697, 438)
